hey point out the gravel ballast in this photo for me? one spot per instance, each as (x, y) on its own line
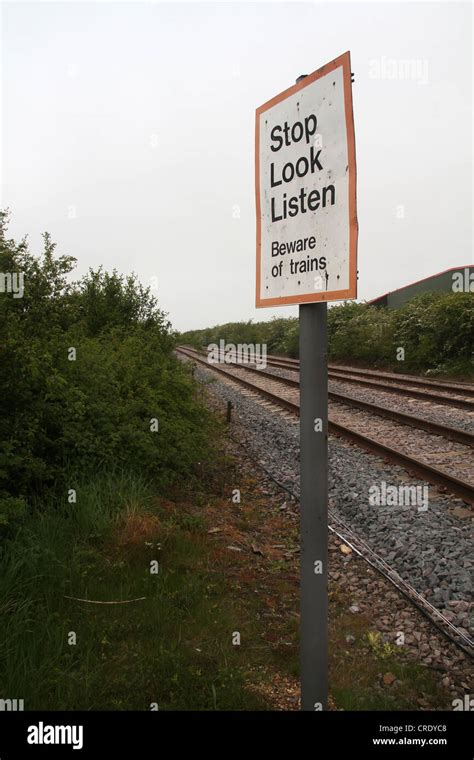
(431, 550)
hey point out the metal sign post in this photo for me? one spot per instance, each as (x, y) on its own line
(307, 255)
(313, 506)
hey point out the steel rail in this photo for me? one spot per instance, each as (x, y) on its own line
(461, 488)
(399, 390)
(360, 547)
(348, 375)
(462, 388)
(453, 434)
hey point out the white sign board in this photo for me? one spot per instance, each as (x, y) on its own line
(306, 191)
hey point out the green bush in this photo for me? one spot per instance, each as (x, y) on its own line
(360, 332)
(435, 330)
(62, 418)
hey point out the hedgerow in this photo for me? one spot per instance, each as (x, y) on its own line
(435, 331)
(84, 368)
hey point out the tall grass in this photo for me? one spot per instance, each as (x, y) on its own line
(47, 559)
(172, 648)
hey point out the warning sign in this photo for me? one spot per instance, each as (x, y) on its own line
(306, 191)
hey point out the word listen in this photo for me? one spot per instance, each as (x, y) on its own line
(286, 135)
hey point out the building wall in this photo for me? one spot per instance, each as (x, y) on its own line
(438, 283)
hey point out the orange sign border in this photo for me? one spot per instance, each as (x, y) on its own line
(343, 60)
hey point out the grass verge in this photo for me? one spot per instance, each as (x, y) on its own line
(222, 569)
(172, 649)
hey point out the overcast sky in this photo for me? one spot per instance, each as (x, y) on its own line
(128, 134)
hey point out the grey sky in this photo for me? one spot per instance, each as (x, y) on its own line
(128, 134)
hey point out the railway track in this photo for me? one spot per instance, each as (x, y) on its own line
(451, 433)
(460, 395)
(347, 535)
(452, 394)
(461, 387)
(464, 389)
(284, 392)
(337, 525)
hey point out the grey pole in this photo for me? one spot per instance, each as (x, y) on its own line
(313, 506)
